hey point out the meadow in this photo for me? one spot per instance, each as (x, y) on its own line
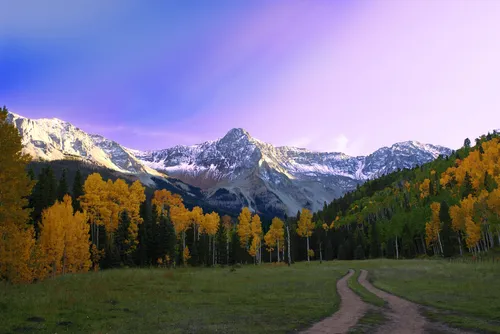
(268, 298)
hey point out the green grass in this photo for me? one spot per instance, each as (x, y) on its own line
(252, 299)
(364, 294)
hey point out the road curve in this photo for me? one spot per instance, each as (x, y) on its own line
(404, 317)
(352, 308)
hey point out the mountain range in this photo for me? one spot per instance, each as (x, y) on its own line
(234, 171)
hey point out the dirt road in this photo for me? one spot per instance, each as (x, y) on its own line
(352, 308)
(404, 315)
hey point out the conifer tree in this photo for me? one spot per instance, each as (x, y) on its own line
(77, 191)
(62, 188)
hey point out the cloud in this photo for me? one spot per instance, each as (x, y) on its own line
(340, 143)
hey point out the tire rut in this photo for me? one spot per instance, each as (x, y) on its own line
(404, 316)
(351, 309)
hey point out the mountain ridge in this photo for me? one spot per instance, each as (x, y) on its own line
(233, 171)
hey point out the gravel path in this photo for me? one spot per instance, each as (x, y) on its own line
(352, 308)
(404, 317)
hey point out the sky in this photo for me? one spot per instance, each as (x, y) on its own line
(348, 76)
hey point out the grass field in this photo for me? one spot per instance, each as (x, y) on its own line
(251, 299)
(364, 294)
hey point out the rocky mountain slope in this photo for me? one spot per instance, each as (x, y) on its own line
(239, 170)
(54, 139)
(234, 171)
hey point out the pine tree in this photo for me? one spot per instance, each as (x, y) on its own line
(446, 230)
(374, 241)
(467, 188)
(62, 188)
(77, 191)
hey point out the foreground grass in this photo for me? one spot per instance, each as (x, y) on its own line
(466, 295)
(252, 299)
(364, 294)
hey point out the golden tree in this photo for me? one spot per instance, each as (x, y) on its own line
(244, 229)
(433, 228)
(256, 245)
(305, 227)
(16, 237)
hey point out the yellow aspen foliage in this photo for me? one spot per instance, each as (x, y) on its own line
(433, 227)
(256, 226)
(64, 241)
(310, 252)
(180, 219)
(425, 188)
(94, 200)
(278, 227)
(254, 246)
(16, 238)
(244, 229)
(306, 226)
(17, 245)
(197, 218)
(163, 199)
(473, 232)
(185, 255)
(270, 241)
(493, 201)
(77, 245)
(210, 224)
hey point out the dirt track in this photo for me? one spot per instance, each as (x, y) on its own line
(404, 316)
(352, 308)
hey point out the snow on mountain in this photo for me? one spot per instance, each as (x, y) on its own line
(234, 171)
(240, 170)
(54, 139)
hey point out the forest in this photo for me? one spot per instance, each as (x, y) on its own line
(449, 207)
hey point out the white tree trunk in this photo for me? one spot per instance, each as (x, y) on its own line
(278, 252)
(308, 249)
(320, 254)
(288, 250)
(460, 244)
(440, 244)
(397, 250)
(213, 242)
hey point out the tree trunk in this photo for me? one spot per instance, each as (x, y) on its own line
(460, 244)
(260, 251)
(397, 250)
(288, 250)
(213, 242)
(440, 244)
(308, 249)
(227, 251)
(320, 254)
(278, 241)
(423, 244)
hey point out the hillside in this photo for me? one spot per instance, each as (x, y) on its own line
(446, 207)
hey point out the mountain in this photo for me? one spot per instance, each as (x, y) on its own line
(239, 170)
(234, 171)
(54, 139)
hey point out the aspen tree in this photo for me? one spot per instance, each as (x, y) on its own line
(305, 227)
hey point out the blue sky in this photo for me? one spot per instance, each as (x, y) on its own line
(326, 75)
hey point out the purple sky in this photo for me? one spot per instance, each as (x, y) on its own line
(347, 76)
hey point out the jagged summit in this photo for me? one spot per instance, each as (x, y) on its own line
(234, 171)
